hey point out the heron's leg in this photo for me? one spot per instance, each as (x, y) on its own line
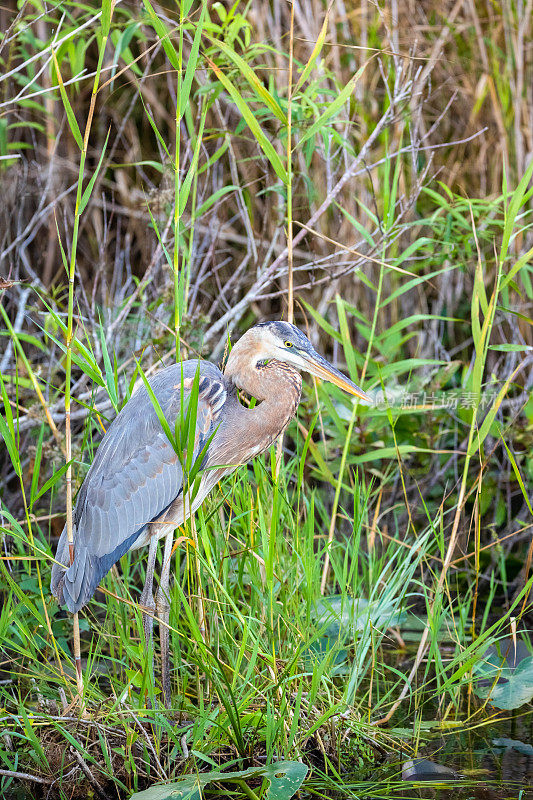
(163, 613)
(147, 596)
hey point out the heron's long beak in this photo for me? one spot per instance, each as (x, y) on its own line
(318, 366)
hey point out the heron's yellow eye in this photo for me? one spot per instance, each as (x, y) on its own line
(288, 344)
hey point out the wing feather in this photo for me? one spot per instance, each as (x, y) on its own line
(134, 478)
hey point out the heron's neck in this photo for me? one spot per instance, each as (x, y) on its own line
(276, 385)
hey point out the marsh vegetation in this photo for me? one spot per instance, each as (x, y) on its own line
(172, 173)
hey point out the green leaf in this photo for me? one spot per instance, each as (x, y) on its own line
(247, 72)
(322, 322)
(251, 120)
(36, 465)
(346, 340)
(109, 371)
(53, 480)
(122, 49)
(71, 117)
(207, 204)
(510, 348)
(334, 107)
(192, 62)
(106, 16)
(85, 361)
(314, 54)
(390, 452)
(342, 616)
(357, 225)
(285, 779)
(163, 33)
(185, 188)
(155, 129)
(5, 434)
(489, 419)
(518, 476)
(515, 692)
(216, 155)
(157, 407)
(511, 211)
(89, 188)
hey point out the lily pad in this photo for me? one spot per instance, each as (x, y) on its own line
(513, 689)
(350, 615)
(285, 779)
(413, 625)
(500, 660)
(321, 648)
(514, 744)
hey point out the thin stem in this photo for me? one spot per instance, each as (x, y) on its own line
(290, 295)
(176, 251)
(347, 442)
(68, 360)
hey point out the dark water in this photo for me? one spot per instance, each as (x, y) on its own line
(491, 762)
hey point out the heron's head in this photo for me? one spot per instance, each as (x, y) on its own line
(285, 342)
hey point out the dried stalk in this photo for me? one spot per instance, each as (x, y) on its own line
(69, 337)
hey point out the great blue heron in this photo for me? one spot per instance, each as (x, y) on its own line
(133, 493)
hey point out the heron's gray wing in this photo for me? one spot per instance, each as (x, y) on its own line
(135, 476)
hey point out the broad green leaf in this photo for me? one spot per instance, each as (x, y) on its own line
(515, 691)
(343, 615)
(285, 779)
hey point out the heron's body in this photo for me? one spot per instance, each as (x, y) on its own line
(136, 477)
(133, 492)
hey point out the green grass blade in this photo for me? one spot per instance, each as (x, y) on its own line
(251, 120)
